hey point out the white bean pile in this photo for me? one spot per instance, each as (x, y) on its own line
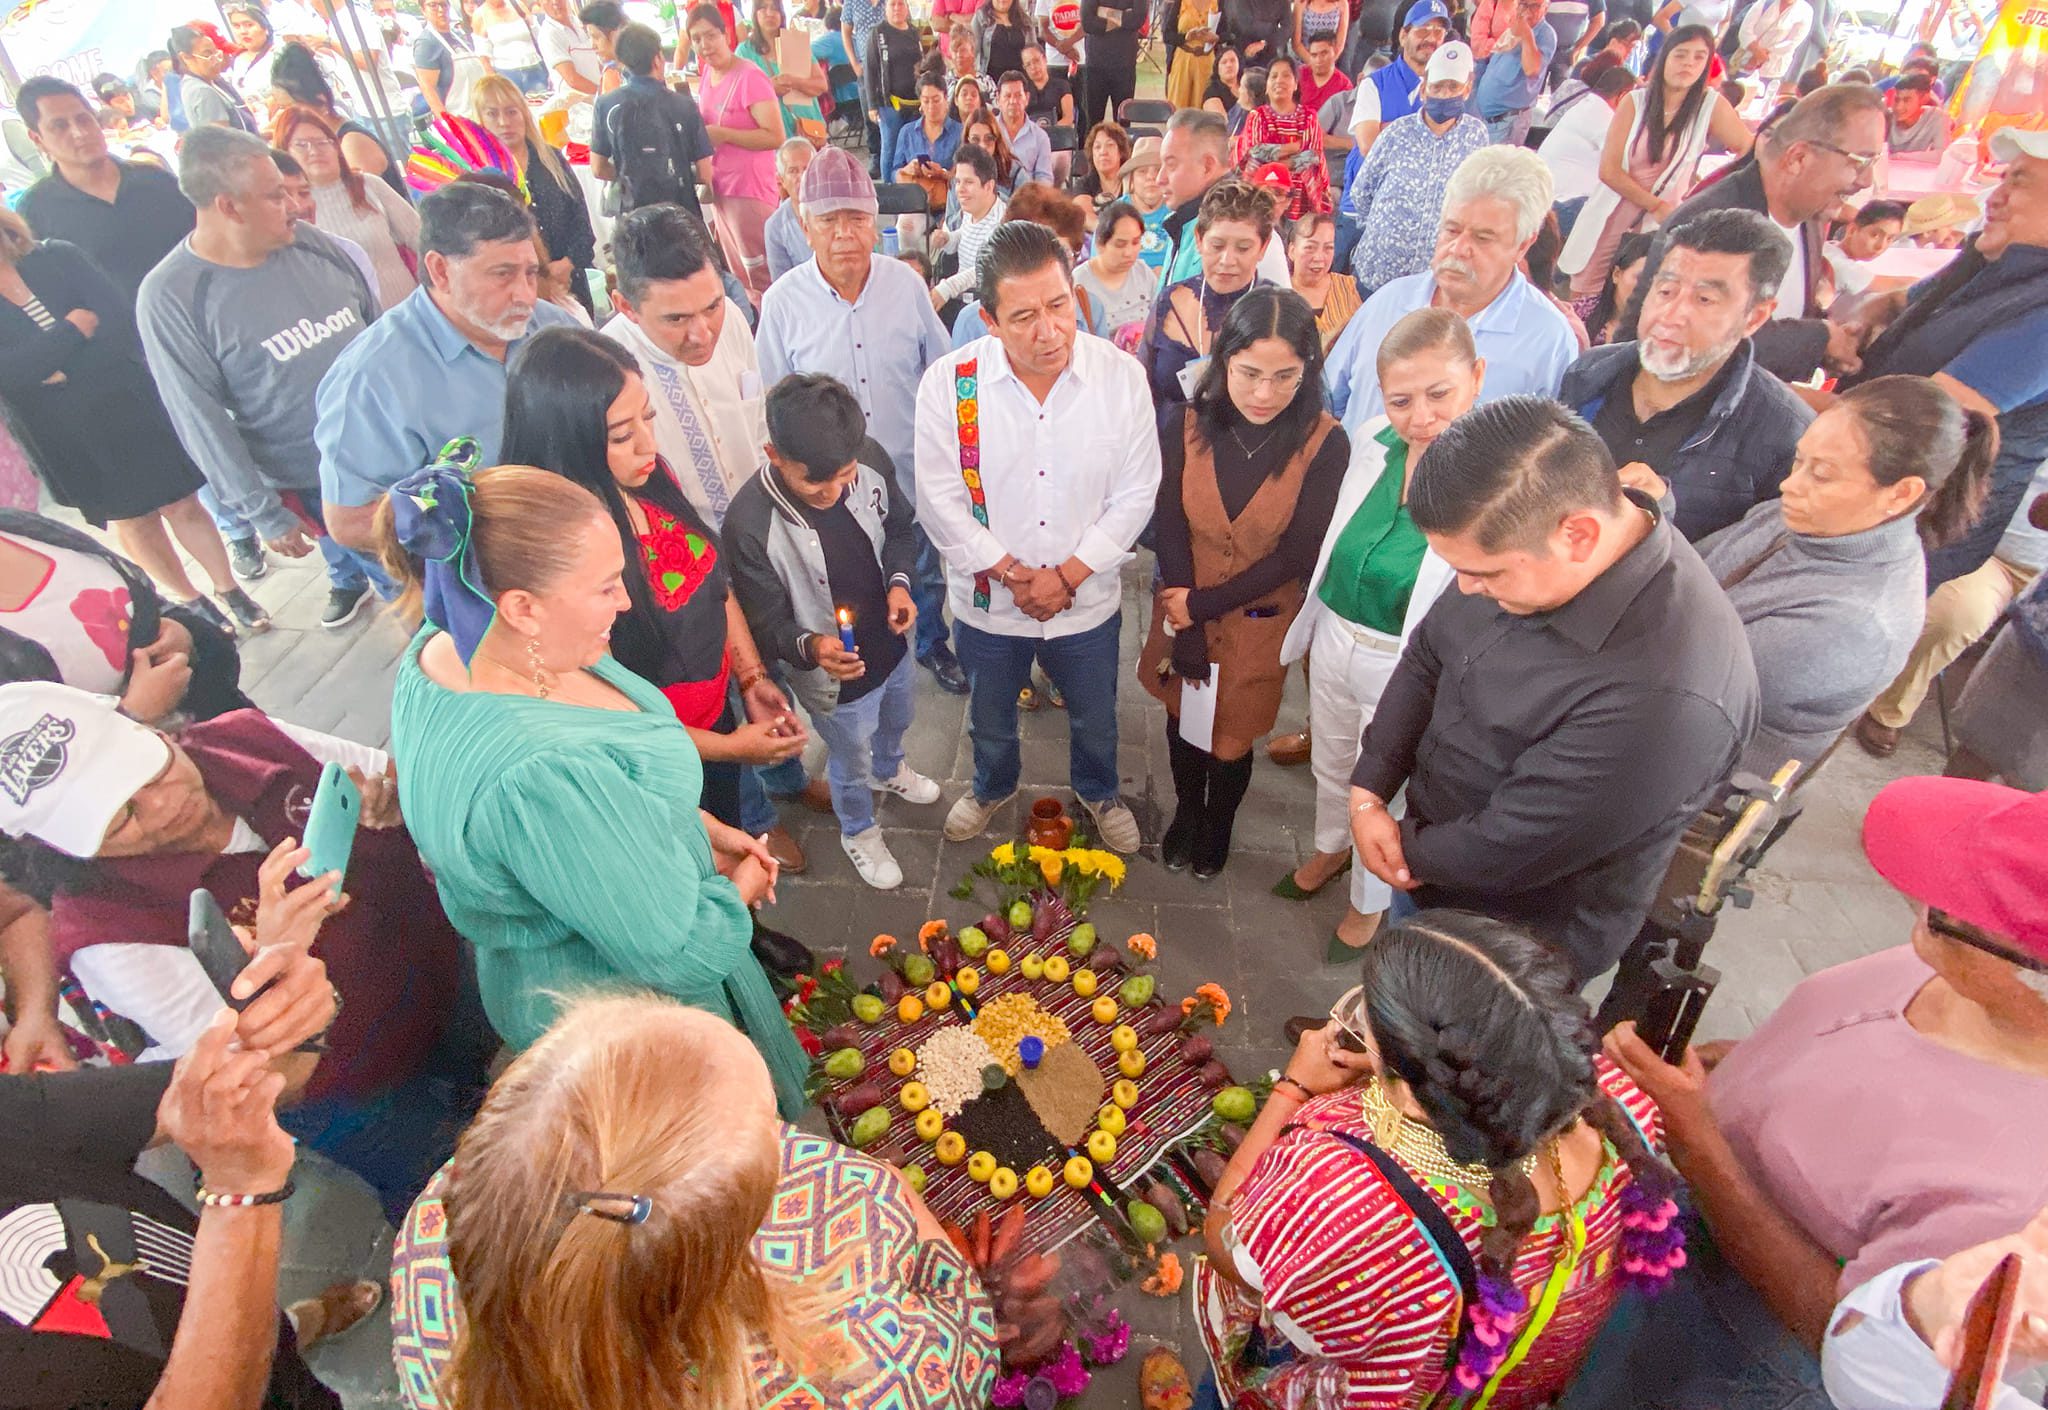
(950, 1065)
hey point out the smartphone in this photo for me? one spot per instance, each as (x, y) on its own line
(215, 943)
(331, 825)
(1674, 1009)
(1987, 1339)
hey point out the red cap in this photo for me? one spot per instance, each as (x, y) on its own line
(1274, 176)
(1978, 851)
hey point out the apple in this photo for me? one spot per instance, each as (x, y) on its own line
(1124, 1093)
(1038, 1181)
(1131, 1064)
(1084, 983)
(939, 996)
(1111, 1119)
(1078, 1172)
(1057, 969)
(931, 1124)
(998, 961)
(1101, 1147)
(980, 1166)
(1032, 967)
(1003, 1183)
(1123, 1038)
(903, 1062)
(968, 979)
(951, 1148)
(1104, 1009)
(914, 1096)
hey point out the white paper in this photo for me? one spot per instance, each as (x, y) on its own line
(1198, 710)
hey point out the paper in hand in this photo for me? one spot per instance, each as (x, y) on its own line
(1198, 709)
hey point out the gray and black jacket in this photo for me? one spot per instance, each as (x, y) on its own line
(778, 565)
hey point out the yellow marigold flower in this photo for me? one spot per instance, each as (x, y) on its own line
(1004, 855)
(1111, 866)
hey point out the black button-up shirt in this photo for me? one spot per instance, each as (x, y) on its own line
(149, 215)
(1552, 760)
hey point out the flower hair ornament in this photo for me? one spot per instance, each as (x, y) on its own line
(430, 509)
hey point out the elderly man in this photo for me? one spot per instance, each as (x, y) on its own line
(784, 231)
(1493, 208)
(1035, 512)
(240, 323)
(1194, 157)
(1512, 75)
(1561, 718)
(1687, 410)
(1805, 1202)
(1029, 145)
(1977, 328)
(433, 368)
(869, 323)
(1399, 194)
(1814, 159)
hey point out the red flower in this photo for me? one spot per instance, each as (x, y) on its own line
(809, 1042)
(832, 966)
(105, 613)
(805, 987)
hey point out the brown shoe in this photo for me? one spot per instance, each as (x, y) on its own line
(333, 1311)
(1288, 750)
(816, 795)
(782, 847)
(1163, 1382)
(1303, 1023)
(1881, 741)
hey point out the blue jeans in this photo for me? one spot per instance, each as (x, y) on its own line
(1082, 666)
(863, 743)
(1402, 907)
(928, 591)
(892, 121)
(347, 570)
(396, 1139)
(232, 527)
(758, 782)
(1348, 231)
(1510, 128)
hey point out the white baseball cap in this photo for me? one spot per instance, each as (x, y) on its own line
(2011, 143)
(1452, 62)
(69, 762)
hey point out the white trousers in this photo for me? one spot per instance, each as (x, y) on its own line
(1348, 667)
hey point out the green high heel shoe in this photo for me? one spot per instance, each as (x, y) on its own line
(1288, 889)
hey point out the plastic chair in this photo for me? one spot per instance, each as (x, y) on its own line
(901, 198)
(1146, 110)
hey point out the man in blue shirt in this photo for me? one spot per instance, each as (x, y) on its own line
(869, 323)
(1513, 74)
(1399, 193)
(1493, 207)
(433, 368)
(1388, 93)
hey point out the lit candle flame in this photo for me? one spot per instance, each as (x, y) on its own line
(846, 616)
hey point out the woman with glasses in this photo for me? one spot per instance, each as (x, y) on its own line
(1375, 578)
(1441, 1196)
(367, 212)
(632, 1227)
(1249, 476)
(798, 93)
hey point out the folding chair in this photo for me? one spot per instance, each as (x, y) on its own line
(1154, 111)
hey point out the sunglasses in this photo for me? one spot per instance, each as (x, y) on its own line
(1962, 932)
(1348, 1015)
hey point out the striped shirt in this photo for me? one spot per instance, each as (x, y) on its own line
(40, 315)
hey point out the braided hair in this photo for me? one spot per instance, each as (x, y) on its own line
(1485, 1025)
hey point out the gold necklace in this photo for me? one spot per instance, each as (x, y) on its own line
(1421, 1149)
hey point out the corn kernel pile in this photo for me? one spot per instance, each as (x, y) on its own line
(1002, 1022)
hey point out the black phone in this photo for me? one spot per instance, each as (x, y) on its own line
(215, 944)
(1675, 1007)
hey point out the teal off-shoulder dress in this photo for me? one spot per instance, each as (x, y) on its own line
(567, 847)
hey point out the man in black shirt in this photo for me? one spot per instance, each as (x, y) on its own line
(1110, 47)
(1561, 717)
(125, 215)
(821, 546)
(646, 136)
(1686, 408)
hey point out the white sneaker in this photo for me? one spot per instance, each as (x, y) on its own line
(910, 785)
(1115, 827)
(872, 859)
(969, 817)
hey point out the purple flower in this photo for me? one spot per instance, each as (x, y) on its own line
(1107, 1347)
(1067, 1374)
(1009, 1391)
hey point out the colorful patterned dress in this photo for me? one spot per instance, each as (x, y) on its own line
(923, 1329)
(1308, 173)
(1345, 1265)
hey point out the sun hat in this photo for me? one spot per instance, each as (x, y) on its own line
(1144, 152)
(69, 763)
(1943, 210)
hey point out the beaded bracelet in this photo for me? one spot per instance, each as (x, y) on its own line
(211, 1200)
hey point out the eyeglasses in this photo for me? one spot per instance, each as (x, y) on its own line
(1348, 1014)
(1252, 379)
(1860, 163)
(309, 146)
(1963, 933)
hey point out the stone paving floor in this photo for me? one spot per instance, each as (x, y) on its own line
(1817, 904)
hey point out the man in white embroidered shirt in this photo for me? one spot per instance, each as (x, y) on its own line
(1034, 510)
(695, 352)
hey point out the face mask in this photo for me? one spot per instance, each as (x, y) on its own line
(1441, 110)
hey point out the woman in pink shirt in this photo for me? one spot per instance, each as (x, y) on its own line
(1893, 1108)
(745, 122)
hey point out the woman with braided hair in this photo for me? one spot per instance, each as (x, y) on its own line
(1445, 1194)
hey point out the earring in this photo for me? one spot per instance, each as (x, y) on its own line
(542, 681)
(1382, 1115)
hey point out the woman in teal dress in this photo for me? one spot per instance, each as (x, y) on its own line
(552, 792)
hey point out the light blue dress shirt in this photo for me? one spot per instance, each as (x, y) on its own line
(784, 235)
(403, 390)
(1526, 343)
(879, 345)
(1032, 150)
(1502, 87)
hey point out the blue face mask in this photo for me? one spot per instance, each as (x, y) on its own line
(1442, 110)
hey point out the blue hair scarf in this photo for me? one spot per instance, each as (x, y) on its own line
(430, 509)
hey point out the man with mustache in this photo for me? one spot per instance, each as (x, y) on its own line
(1818, 156)
(1686, 411)
(1493, 206)
(433, 368)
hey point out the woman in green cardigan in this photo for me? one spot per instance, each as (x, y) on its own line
(552, 791)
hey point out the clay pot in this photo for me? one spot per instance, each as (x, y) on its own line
(1050, 826)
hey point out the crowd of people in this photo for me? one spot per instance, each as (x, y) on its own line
(1517, 369)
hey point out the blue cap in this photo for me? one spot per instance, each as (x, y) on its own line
(1423, 11)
